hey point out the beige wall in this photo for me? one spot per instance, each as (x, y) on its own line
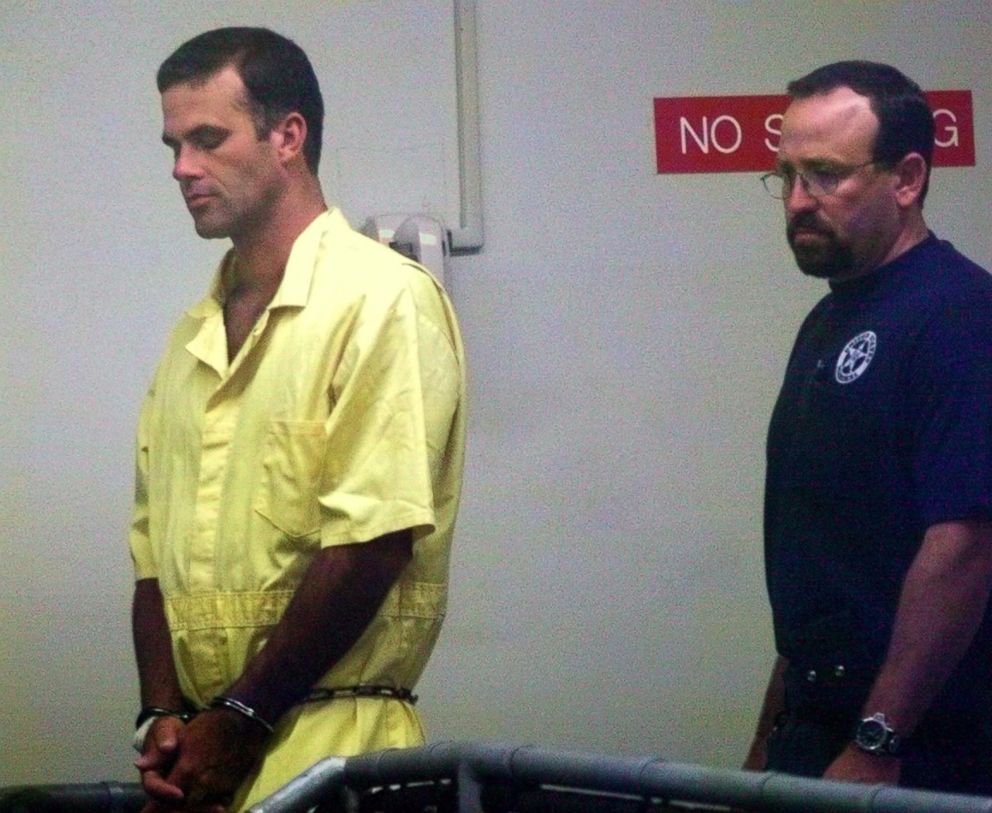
(626, 331)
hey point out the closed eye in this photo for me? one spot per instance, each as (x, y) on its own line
(208, 138)
(204, 137)
(824, 178)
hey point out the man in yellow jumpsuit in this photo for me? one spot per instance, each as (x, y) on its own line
(299, 456)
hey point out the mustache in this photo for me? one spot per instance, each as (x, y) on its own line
(807, 221)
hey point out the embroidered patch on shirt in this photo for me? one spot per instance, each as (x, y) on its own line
(855, 357)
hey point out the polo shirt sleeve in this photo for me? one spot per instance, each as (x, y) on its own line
(951, 382)
(138, 536)
(394, 395)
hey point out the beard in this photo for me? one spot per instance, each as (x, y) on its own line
(826, 258)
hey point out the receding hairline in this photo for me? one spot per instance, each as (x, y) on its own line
(240, 101)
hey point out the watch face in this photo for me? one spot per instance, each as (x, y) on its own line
(871, 734)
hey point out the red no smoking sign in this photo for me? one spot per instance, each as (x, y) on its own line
(740, 133)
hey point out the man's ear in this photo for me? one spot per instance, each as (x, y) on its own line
(911, 177)
(289, 135)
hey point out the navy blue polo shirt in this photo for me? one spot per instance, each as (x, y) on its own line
(883, 427)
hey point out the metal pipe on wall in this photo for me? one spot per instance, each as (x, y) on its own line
(468, 236)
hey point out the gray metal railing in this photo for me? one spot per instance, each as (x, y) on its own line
(96, 797)
(492, 778)
(472, 771)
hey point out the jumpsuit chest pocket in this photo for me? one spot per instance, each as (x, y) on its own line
(291, 464)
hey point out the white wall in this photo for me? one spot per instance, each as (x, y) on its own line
(626, 333)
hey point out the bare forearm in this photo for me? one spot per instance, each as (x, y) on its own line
(153, 648)
(339, 595)
(942, 604)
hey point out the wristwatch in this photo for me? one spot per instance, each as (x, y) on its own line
(875, 736)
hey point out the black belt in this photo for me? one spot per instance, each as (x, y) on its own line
(362, 690)
(826, 693)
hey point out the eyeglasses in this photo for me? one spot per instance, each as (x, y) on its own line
(815, 182)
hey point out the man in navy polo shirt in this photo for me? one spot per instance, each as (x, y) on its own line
(878, 507)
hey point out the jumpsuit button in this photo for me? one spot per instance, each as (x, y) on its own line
(839, 671)
(811, 676)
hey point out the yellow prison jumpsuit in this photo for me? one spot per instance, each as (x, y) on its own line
(341, 419)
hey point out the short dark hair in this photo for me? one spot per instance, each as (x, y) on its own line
(276, 73)
(905, 122)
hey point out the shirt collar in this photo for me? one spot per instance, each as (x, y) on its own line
(908, 259)
(294, 289)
